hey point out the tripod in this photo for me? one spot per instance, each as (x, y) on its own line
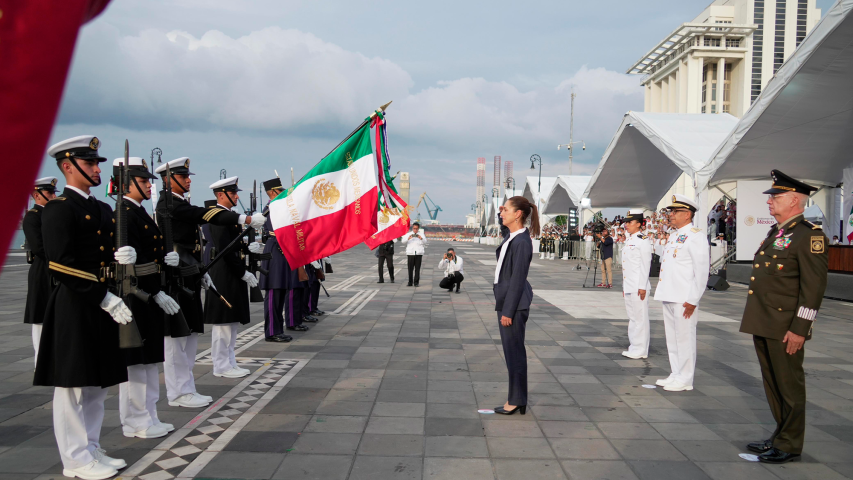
(595, 256)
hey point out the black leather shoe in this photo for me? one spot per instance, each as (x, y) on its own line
(774, 455)
(409, 285)
(457, 288)
(392, 280)
(381, 281)
(760, 447)
(417, 285)
(309, 319)
(275, 339)
(284, 338)
(318, 313)
(520, 408)
(299, 328)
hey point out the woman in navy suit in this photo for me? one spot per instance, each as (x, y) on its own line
(513, 294)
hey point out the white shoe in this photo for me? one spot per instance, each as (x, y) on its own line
(93, 470)
(233, 373)
(246, 370)
(154, 431)
(189, 400)
(677, 387)
(662, 382)
(168, 426)
(635, 357)
(206, 398)
(101, 456)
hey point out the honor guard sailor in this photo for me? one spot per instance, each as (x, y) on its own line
(39, 285)
(636, 262)
(683, 279)
(79, 351)
(180, 352)
(277, 270)
(230, 276)
(139, 395)
(787, 284)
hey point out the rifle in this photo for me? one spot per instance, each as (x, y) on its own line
(255, 294)
(176, 324)
(123, 275)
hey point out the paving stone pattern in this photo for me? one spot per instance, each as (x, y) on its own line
(392, 391)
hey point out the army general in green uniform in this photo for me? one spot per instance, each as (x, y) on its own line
(786, 288)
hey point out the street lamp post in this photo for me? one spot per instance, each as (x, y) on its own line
(159, 153)
(533, 160)
(572, 142)
(510, 182)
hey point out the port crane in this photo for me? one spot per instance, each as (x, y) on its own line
(433, 212)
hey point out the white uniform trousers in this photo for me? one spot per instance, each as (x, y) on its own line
(222, 343)
(36, 340)
(77, 417)
(178, 368)
(638, 324)
(680, 341)
(137, 406)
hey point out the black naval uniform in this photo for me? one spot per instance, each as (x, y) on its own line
(38, 281)
(283, 305)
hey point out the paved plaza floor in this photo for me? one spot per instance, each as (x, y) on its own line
(388, 385)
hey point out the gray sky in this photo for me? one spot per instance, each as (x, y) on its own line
(254, 86)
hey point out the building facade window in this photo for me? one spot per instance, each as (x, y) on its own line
(802, 17)
(719, 98)
(757, 49)
(779, 38)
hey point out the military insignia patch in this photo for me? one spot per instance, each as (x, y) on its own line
(778, 266)
(783, 243)
(95, 143)
(144, 165)
(187, 163)
(681, 239)
(53, 182)
(817, 245)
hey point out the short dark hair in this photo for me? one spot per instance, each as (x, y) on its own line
(451, 250)
(416, 224)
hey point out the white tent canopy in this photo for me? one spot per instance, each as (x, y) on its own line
(566, 194)
(648, 154)
(802, 123)
(531, 189)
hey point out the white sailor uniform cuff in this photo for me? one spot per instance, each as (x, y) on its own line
(807, 314)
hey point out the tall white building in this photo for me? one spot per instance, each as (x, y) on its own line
(736, 44)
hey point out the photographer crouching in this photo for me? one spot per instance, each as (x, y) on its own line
(453, 274)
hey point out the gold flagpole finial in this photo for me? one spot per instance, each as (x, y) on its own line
(381, 109)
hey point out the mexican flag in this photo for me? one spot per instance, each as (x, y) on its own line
(850, 227)
(333, 208)
(392, 213)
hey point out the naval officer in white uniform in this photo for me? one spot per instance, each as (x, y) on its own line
(636, 262)
(683, 278)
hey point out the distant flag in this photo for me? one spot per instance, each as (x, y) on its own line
(850, 226)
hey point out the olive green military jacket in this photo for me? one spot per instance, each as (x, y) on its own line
(787, 282)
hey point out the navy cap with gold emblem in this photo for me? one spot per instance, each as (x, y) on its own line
(227, 185)
(136, 167)
(84, 147)
(178, 166)
(47, 184)
(681, 201)
(635, 215)
(783, 183)
(272, 183)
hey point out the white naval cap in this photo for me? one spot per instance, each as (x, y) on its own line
(681, 201)
(46, 183)
(227, 185)
(136, 167)
(84, 147)
(178, 166)
(636, 214)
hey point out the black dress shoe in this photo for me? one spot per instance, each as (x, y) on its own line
(774, 455)
(457, 288)
(299, 328)
(284, 338)
(520, 408)
(381, 281)
(318, 312)
(417, 285)
(275, 339)
(309, 319)
(392, 280)
(409, 285)
(760, 447)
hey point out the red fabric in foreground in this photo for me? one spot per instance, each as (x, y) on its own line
(398, 229)
(37, 40)
(330, 234)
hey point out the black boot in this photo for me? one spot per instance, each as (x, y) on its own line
(457, 286)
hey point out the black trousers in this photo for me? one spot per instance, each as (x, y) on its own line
(389, 259)
(448, 282)
(415, 266)
(313, 297)
(512, 339)
(274, 312)
(785, 388)
(294, 306)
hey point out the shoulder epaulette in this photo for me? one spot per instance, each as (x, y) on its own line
(34, 210)
(812, 225)
(641, 236)
(212, 212)
(694, 229)
(58, 198)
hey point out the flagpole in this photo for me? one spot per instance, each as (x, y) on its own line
(362, 124)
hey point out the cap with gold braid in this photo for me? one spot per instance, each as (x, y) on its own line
(681, 201)
(783, 183)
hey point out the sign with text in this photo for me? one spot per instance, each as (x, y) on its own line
(753, 217)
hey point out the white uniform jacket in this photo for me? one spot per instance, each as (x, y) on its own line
(450, 267)
(414, 245)
(684, 268)
(636, 262)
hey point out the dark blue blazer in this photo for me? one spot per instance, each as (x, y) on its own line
(513, 292)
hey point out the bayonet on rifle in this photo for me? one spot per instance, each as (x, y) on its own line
(123, 275)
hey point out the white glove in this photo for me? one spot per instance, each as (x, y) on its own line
(116, 308)
(258, 221)
(126, 255)
(250, 279)
(167, 303)
(206, 282)
(172, 259)
(256, 247)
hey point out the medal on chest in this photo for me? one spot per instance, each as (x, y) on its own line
(681, 239)
(782, 243)
(675, 253)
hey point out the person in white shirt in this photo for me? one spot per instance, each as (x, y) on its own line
(415, 242)
(636, 262)
(683, 278)
(453, 273)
